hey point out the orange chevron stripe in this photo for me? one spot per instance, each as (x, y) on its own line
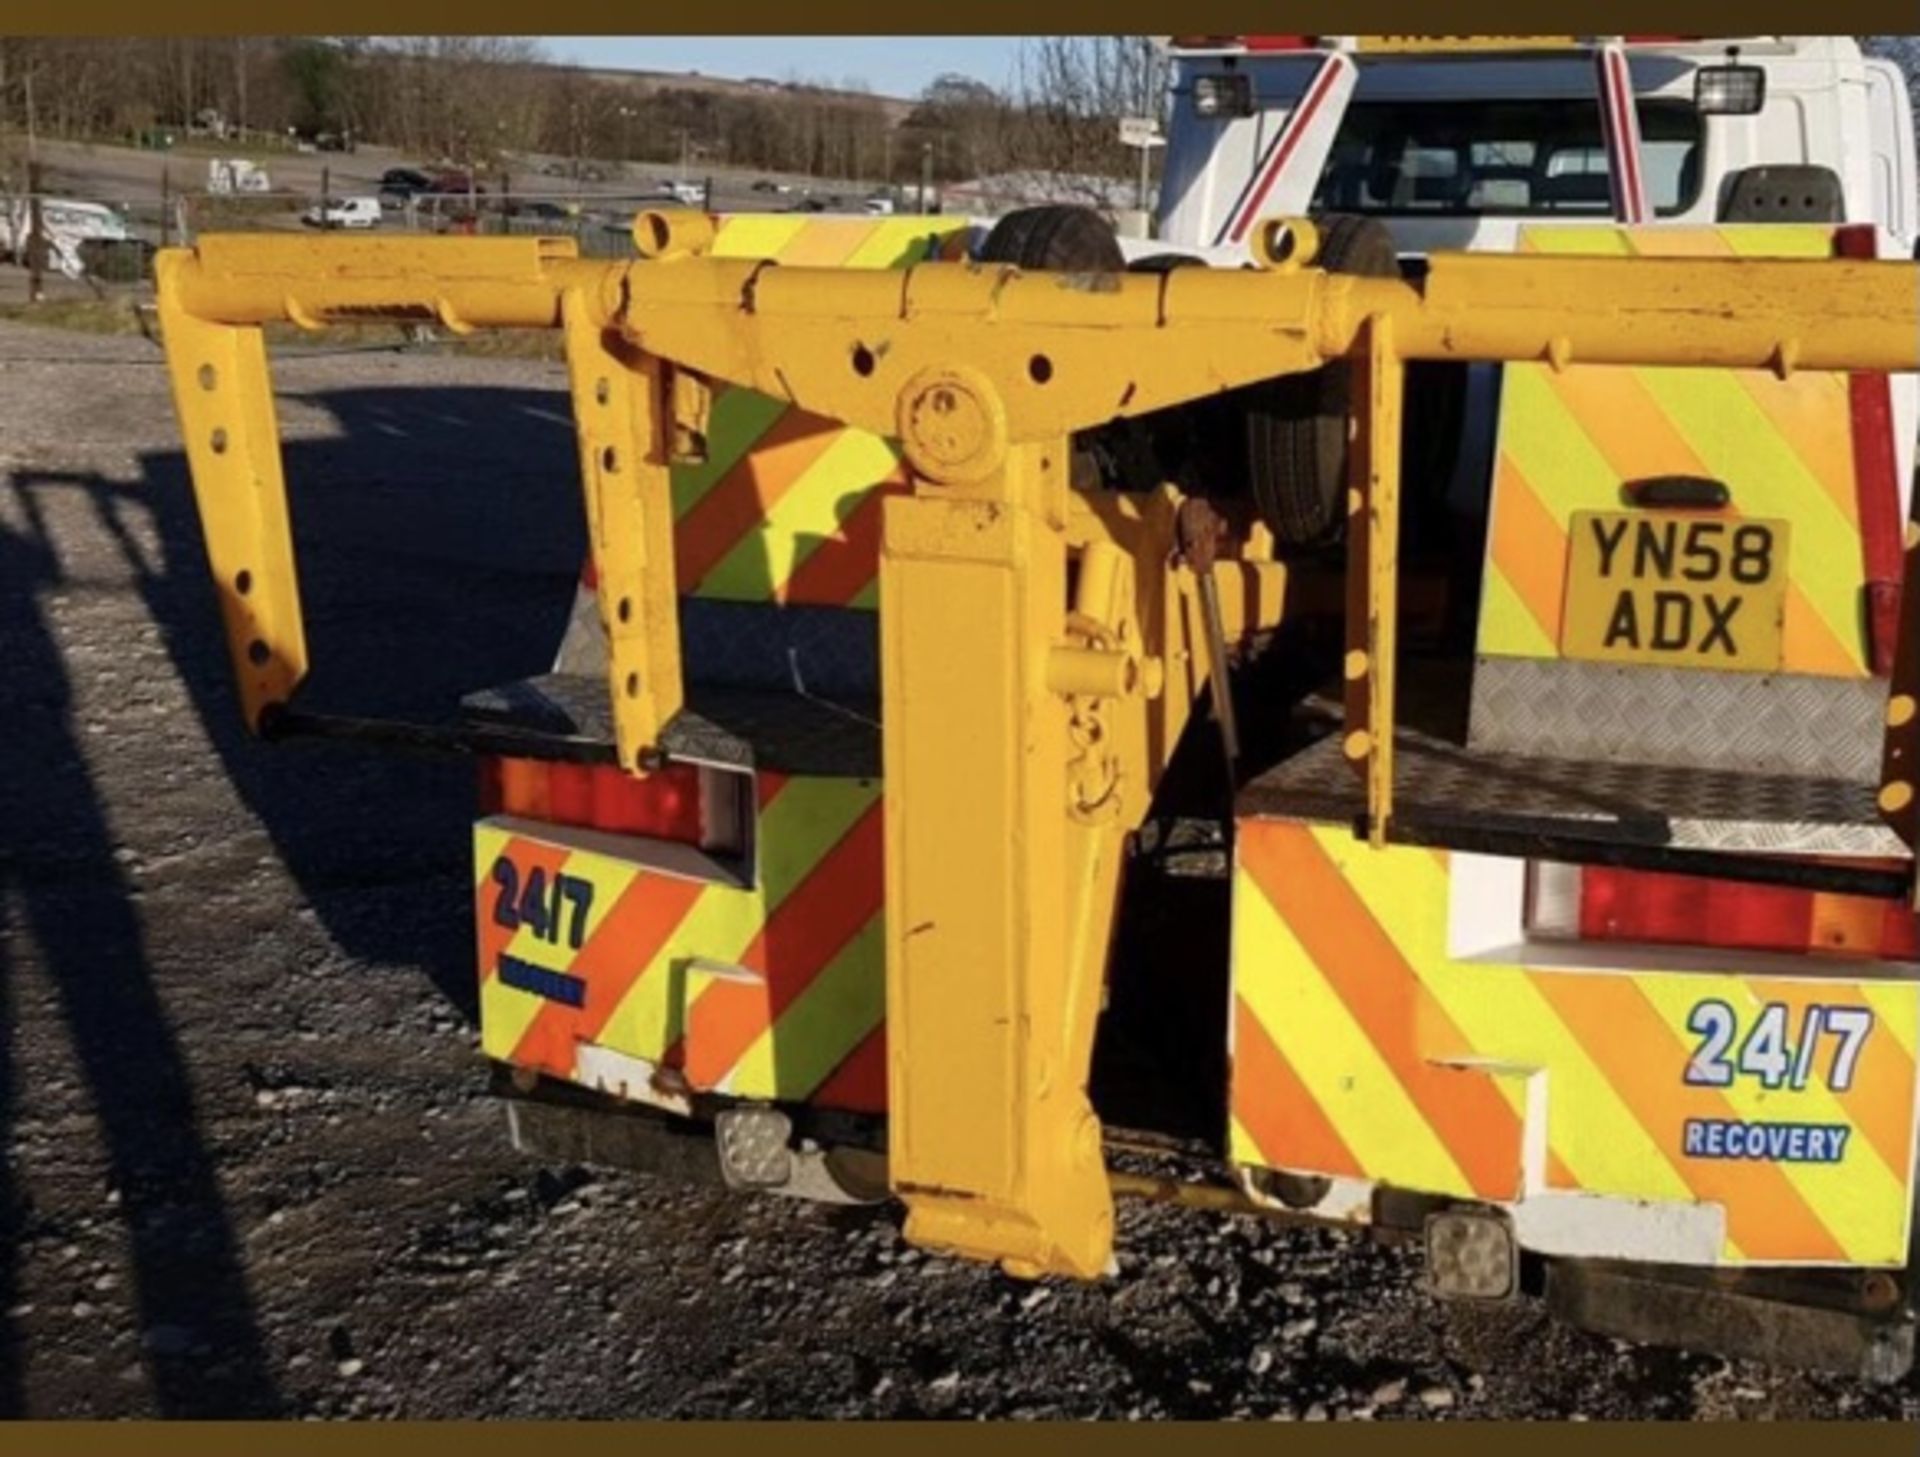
(844, 565)
(491, 936)
(824, 912)
(1288, 1127)
(1812, 414)
(621, 949)
(1878, 1103)
(740, 501)
(828, 243)
(1529, 548)
(859, 1084)
(1626, 425)
(767, 785)
(1386, 997)
(1611, 1018)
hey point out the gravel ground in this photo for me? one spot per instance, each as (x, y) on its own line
(250, 1164)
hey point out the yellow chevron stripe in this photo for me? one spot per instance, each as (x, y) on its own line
(1551, 446)
(1504, 1016)
(1746, 240)
(756, 235)
(899, 242)
(1780, 240)
(505, 1014)
(1507, 628)
(1813, 415)
(1895, 1008)
(1738, 444)
(840, 1006)
(1330, 1052)
(803, 821)
(1591, 241)
(1852, 1198)
(810, 511)
(740, 417)
(488, 842)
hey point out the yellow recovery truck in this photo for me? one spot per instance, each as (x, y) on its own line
(933, 666)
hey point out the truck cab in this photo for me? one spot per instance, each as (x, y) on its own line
(1455, 141)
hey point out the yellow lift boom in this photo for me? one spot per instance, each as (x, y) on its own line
(1014, 762)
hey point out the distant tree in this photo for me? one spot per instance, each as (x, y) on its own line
(318, 74)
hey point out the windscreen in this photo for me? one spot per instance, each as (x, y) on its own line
(1502, 158)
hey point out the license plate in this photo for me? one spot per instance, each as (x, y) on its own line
(1685, 591)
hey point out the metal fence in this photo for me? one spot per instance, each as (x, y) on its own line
(112, 238)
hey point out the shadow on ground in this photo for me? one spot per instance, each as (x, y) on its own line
(439, 538)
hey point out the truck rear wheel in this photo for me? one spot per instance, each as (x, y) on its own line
(1061, 238)
(1296, 426)
(1066, 239)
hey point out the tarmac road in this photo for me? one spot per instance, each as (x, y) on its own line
(250, 1164)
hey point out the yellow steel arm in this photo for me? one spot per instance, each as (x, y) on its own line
(1017, 748)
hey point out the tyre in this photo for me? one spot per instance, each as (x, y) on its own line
(1065, 239)
(1061, 238)
(1296, 426)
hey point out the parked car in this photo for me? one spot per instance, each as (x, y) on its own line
(343, 212)
(456, 182)
(880, 207)
(543, 211)
(808, 204)
(402, 183)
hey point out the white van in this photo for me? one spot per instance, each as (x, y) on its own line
(344, 212)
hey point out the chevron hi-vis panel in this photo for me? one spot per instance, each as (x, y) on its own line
(1568, 439)
(1362, 1049)
(771, 992)
(786, 507)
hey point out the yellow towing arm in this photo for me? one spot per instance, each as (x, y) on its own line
(1000, 885)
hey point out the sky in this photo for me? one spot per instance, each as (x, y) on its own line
(891, 65)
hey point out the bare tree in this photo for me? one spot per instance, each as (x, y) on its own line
(1070, 93)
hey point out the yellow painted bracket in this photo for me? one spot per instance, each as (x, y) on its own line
(1900, 764)
(622, 415)
(993, 983)
(1373, 569)
(224, 397)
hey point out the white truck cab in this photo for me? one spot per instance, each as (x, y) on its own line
(1455, 141)
(1485, 143)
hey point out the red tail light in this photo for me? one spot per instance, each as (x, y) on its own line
(1591, 903)
(682, 802)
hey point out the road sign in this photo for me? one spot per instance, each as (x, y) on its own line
(1140, 131)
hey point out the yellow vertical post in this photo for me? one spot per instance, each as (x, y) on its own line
(1373, 567)
(1900, 762)
(995, 945)
(620, 409)
(224, 397)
